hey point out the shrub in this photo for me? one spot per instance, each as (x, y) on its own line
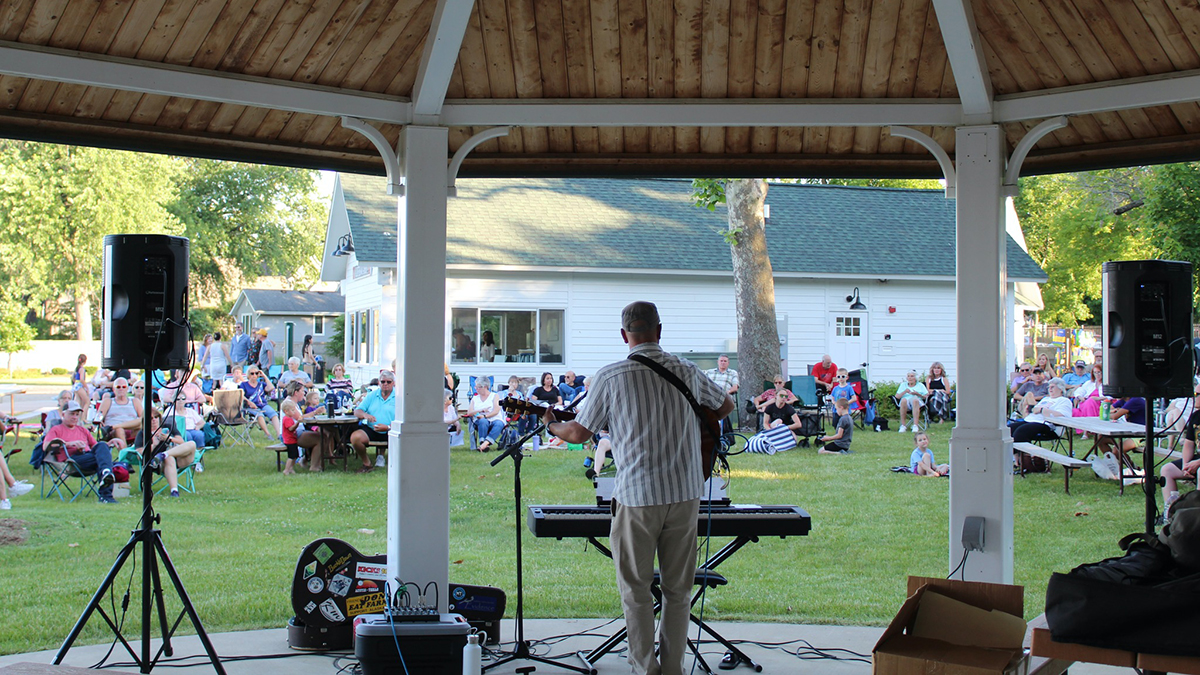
(884, 406)
(59, 371)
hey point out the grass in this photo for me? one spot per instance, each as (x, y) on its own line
(236, 542)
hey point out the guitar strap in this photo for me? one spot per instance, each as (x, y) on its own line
(674, 380)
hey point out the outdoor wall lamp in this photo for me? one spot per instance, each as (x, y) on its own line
(855, 303)
(346, 247)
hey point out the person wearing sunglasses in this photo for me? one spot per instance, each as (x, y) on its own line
(120, 415)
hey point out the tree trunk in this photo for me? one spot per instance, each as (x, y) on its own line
(753, 288)
(83, 314)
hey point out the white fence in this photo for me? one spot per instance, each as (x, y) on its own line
(47, 354)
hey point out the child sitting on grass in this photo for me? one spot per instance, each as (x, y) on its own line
(921, 461)
(839, 443)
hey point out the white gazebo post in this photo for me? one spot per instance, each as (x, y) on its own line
(980, 445)
(418, 541)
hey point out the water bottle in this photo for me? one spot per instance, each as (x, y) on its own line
(330, 403)
(472, 655)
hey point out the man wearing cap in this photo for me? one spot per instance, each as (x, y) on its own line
(266, 351)
(239, 346)
(656, 499)
(68, 438)
(1076, 377)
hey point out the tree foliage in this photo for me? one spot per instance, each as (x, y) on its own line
(247, 220)
(1172, 215)
(15, 334)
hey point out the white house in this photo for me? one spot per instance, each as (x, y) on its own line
(289, 315)
(546, 265)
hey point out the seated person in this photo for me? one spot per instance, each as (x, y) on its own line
(910, 397)
(339, 382)
(71, 439)
(525, 423)
(1031, 391)
(121, 414)
(1018, 376)
(843, 389)
(53, 418)
(1186, 466)
(1043, 362)
(375, 415)
(171, 451)
(1131, 410)
(486, 414)
(595, 464)
(1092, 388)
(939, 388)
(921, 461)
(839, 442)
(450, 419)
(293, 373)
(236, 377)
(777, 413)
(1039, 425)
(764, 399)
(255, 390)
(10, 486)
(183, 390)
(570, 387)
(825, 372)
(1075, 378)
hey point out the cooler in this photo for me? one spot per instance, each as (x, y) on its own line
(429, 647)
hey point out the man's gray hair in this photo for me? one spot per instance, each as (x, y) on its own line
(640, 317)
(1057, 382)
(295, 360)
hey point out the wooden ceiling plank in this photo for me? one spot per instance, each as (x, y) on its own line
(743, 29)
(1187, 15)
(319, 130)
(66, 99)
(94, 102)
(932, 62)
(198, 24)
(166, 27)
(1168, 33)
(827, 30)
(249, 121)
(457, 136)
(498, 48)
(102, 30)
(272, 123)
(660, 68)
(308, 32)
(284, 25)
(1017, 31)
(606, 55)
(1188, 115)
(688, 37)
(1163, 121)
(148, 108)
(1145, 44)
(222, 36)
(175, 113)
(12, 88)
(254, 29)
(296, 128)
(121, 106)
(551, 48)
(527, 67)
(72, 28)
(768, 48)
(714, 70)
(1112, 40)
(577, 38)
(1112, 126)
(454, 88)
(37, 95)
(366, 43)
(359, 18)
(472, 61)
(405, 76)
(400, 54)
(1076, 30)
(1045, 27)
(634, 66)
(226, 116)
(1010, 71)
(139, 20)
(906, 60)
(797, 54)
(12, 18)
(949, 88)
(199, 117)
(879, 52)
(42, 20)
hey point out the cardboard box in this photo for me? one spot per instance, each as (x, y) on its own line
(955, 633)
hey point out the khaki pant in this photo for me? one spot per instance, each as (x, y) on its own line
(637, 533)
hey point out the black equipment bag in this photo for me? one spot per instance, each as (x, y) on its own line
(1031, 464)
(1142, 602)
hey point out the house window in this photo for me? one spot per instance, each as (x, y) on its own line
(508, 336)
(364, 337)
(318, 325)
(849, 326)
(247, 323)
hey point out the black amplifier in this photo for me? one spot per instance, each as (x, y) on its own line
(481, 606)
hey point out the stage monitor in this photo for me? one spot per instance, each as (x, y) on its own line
(145, 289)
(1147, 328)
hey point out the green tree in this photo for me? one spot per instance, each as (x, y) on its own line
(245, 221)
(56, 204)
(1172, 214)
(15, 334)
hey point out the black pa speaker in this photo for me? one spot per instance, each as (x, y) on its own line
(145, 293)
(1147, 328)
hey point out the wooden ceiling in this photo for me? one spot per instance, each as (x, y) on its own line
(608, 87)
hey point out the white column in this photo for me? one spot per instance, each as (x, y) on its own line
(980, 446)
(418, 449)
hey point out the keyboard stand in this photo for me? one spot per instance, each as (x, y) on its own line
(713, 580)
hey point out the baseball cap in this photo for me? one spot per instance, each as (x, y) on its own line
(1080, 364)
(261, 331)
(72, 406)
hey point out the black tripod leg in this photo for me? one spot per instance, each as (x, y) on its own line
(157, 591)
(737, 653)
(187, 606)
(95, 601)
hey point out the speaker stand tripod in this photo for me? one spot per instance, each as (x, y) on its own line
(153, 554)
(511, 447)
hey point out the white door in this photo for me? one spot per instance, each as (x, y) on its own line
(848, 339)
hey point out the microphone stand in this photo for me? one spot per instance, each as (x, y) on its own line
(511, 448)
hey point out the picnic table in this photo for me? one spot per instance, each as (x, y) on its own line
(11, 390)
(1098, 427)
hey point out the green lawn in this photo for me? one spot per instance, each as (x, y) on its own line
(236, 543)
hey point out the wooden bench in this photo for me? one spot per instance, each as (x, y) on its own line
(1060, 655)
(1069, 464)
(380, 448)
(280, 450)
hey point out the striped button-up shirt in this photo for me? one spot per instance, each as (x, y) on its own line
(655, 433)
(726, 380)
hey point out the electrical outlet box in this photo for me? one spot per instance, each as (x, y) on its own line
(972, 533)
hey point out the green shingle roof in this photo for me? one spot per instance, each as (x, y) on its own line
(652, 224)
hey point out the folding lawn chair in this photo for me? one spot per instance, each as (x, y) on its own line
(229, 415)
(186, 476)
(61, 476)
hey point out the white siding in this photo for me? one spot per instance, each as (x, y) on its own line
(361, 295)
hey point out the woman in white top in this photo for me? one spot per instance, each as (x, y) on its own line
(294, 373)
(1039, 425)
(122, 413)
(216, 360)
(486, 414)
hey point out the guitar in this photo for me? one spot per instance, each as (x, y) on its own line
(334, 583)
(522, 407)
